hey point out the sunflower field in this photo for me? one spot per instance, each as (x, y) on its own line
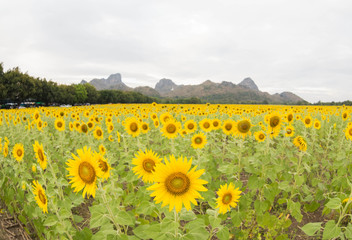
(152, 171)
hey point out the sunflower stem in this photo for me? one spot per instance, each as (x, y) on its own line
(111, 215)
(177, 223)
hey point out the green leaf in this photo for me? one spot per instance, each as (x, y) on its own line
(312, 207)
(311, 228)
(331, 230)
(124, 218)
(85, 234)
(214, 222)
(295, 209)
(334, 203)
(223, 234)
(50, 221)
(299, 180)
(148, 231)
(348, 232)
(77, 218)
(187, 215)
(254, 182)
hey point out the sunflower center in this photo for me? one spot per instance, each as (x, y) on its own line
(317, 124)
(290, 117)
(344, 115)
(19, 152)
(190, 126)
(177, 183)
(261, 136)
(288, 131)
(307, 121)
(99, 133)
(40, 124)
(274, 121)
(103, 166)
(215, 123)
(350, 131)
(228, 126)
(84, 128)
(145, 127)
(41, 196)
(134, 127)
(59, 124)
(206, 125)
(244, 126)
(86, 172)
(226, 199)
(148, 165)
(40, 155)
(171, 128)
(198, 140)
(90, 124)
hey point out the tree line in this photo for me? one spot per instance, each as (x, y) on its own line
(18, 87)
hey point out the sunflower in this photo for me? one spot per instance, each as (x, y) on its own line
(83, 128)
(242, 128)
(290, 117)
(348, 132)
(110, 127)
(216, 124)
(165, 117)
(145, 164)
(308, 122)
(228, 197)
(177, 184)
(118, 136)
(345, 115)
(190, 126)
(144, 127)
(102, 149)
(156, 123)
(171, 128)
(111, 138)
(132, 127)
(300, 143)
(289, 131)
(317, 124)
(18, 152)
(259, 136)
(40, 196)
(90, 125)
(40, 155)
(228, 126)
(199, 140)
(206, 125)
(103, 165)
(83, 172)
(98, 133)
(71, 126)
(39, 124)
(59, 124)
(5, 150)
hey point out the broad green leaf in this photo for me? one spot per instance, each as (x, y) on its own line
(334, 203)
(50, 221)
(311, 228)
(85, 234)
(223, 234)
(331, 230)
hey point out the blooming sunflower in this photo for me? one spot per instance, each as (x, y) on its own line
(145, 164)
(40, 196)
(300, 143)
(103, 165)
(206, 125)
(190, 126)
(308, 121)
(59, 124)
(118, 136)
(242, 128)
(102, 149)
(345, 115)
(83, 171)
(98, 133)
(165, 117)
(289, 131)
(216, 124)
(18, 152)
(228, 197)
(199, 140)
(132, 127)
(259, 136)
(39, 154)
(228, 126)
(348, 132)
(171, 128)
(176, 184)
(5, 150)
(83, 128)
(144, 127)
(317, 124)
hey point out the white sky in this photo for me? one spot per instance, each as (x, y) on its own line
(303, 46)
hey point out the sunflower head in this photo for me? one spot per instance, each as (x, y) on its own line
(171, 128)
(98, 133)
(40, 196)
(199, 140)
(242, 128)
(132, 127)
(103, 165)
(300, 143)
(40, 155)
(59, 124)
(260, 136)
(145, 163)
(190, 126)
(317, 124)
(18, 152)
(84, 171)
(176, 184)
(206, 125)
(228, 197)
(228, 126)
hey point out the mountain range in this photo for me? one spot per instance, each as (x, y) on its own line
(225, 92)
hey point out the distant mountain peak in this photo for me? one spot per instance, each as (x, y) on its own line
(165, 85)
(249, 83)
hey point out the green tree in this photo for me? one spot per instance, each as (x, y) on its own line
(81, 93)
(92, 93)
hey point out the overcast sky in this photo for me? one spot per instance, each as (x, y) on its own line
(303, 46)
